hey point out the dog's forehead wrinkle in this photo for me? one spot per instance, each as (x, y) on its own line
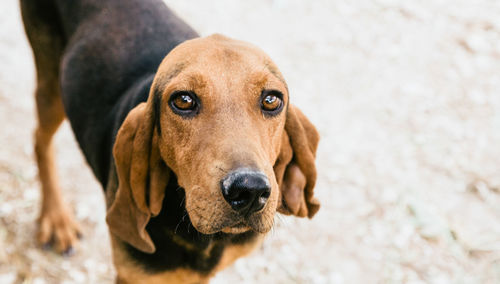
(164, 77)
(230, 76)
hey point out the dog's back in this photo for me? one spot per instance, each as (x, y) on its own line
(100, 57)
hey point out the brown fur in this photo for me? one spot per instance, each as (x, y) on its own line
(299, 176)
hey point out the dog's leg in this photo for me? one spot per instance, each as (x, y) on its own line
(56, 222)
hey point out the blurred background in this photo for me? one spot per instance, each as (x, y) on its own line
(406, 96)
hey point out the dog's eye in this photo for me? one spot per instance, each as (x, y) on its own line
(271, 102)
(184, 103)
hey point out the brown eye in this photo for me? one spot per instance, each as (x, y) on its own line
(272, 102)
(184, 103)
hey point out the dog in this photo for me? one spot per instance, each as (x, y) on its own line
(193, 139)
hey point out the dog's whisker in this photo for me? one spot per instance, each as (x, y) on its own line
(221, 169)
(182, 201)
(180, 221)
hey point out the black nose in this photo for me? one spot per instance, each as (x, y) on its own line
(246, 191)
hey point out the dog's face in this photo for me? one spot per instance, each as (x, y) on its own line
(221, 118)
(218, 117)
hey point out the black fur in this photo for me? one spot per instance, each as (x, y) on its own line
(173, 220)
(113, 50)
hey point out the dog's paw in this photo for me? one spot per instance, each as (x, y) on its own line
(58, 229)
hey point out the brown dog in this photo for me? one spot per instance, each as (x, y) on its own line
(205, 144)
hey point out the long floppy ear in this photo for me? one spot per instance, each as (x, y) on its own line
(142, 179)
(295, 170)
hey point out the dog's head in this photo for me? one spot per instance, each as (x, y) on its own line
(218, 117)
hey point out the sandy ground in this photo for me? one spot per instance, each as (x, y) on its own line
(406, 97)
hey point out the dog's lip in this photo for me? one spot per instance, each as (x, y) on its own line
(237, 228)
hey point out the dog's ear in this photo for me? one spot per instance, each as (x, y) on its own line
(142, 179)
(295, 169)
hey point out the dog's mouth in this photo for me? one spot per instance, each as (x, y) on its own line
(258, 222)
(232, 223)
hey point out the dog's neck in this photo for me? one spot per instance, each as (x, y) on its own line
(178, 243)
